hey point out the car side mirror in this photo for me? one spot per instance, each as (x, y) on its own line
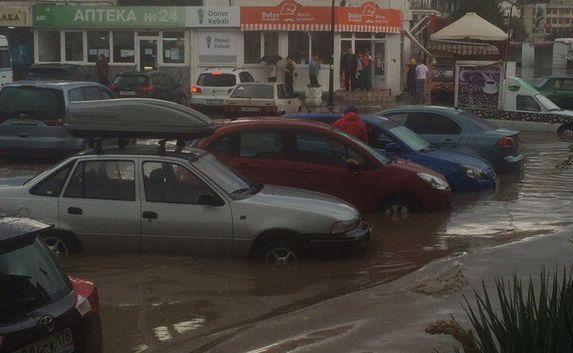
(393, 147)
(210, 200)
(352, 165)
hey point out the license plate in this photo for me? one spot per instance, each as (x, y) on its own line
(62, 342)
(214, 102)
(250, 109)
(126, 93)
(24, 122)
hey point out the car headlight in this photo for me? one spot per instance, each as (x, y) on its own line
(434, 181)
(474, 172)
(343, 226)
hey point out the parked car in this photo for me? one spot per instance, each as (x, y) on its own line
(32, 116)
(321, 158)
(558, 89)
(143, 197)
(450, 128)
(215, 85)
(42, 310)
(261, 99)
(58, 72)
(462, 171)
(151, 84)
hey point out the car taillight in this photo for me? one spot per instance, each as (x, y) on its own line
(506, 142)
(53, 122)
(87, 299)
(195, 89)
(146, 89)
(216, 73)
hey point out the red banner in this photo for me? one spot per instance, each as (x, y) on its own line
(291, 16)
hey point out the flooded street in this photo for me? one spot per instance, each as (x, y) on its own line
(148, 300)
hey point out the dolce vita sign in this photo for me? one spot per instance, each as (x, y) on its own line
(60, 16)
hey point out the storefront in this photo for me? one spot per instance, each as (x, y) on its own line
(16, 26)
(290, 29)
(131, 38)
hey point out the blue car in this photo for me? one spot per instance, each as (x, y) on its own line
(463, 131)
(463, 172)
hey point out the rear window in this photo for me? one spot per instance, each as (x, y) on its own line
(253, 91)
(215, 80)
(482, 124)
(45, 74)
(14, 100)
(130, 80)
(29, 278)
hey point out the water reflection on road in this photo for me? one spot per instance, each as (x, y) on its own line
(148, 300)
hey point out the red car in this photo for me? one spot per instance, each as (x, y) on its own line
(318, 157)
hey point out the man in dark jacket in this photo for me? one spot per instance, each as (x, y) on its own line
(352, 124)
(102, 69)
(349, 66)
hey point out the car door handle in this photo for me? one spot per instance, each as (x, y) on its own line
(75, 210)
(150, 215)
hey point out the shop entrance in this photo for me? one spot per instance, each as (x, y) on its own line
(369, 44)
(147, 54)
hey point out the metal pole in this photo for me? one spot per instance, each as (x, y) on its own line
(331, 66)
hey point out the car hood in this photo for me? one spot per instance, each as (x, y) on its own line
(304, 200)
(413, 167)
(458, 158)
(15, 181)
(568, 113)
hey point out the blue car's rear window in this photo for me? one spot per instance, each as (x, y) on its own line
(480, 123)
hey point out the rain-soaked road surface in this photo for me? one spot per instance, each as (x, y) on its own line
(148, 300)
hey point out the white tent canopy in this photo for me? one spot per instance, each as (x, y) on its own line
(470, 26)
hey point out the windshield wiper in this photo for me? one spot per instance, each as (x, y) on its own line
(252, 189)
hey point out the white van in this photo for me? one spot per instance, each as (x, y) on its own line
(6, 75)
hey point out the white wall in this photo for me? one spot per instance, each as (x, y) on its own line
(527, 55)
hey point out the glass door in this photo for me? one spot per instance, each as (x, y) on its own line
(147, 54)
(379, 65)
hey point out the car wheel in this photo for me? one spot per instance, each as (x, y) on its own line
(59, 244)
(565, 131)
(399, 208)
(280, 253)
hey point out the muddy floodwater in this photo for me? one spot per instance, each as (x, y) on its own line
(151, 300)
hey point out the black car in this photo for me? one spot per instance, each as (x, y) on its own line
(41, 308)
(153, 84)
(58, 72)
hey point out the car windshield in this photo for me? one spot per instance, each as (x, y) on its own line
(25, 99)
(480, 123)
(216, 80)
(221, 175)
(130, 80)
(410, 138)
(547, 103)
(253, 91)
(29, 277)
(540, 81)
(365, 146)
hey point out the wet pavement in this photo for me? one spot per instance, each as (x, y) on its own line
(152, 300)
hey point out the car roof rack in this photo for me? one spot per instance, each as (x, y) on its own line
(131, 118)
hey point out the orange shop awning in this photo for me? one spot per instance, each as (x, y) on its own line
(291, 16)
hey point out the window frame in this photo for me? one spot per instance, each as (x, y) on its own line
(530, 98)
(262, 46)
(71, 164)
(294, 156)
(63, 46)
(80, 161)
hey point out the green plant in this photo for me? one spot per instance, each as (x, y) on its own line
(525, 321)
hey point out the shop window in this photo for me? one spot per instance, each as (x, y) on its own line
(252, 45)
(123, 47)
(173, 47)
(271, 43)
(98, 43)
(320, 44)
(49, 46)
(298, 47)
(74, 42)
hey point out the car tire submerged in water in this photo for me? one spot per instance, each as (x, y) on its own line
(400, 207)
(565, 131)
(280, 253)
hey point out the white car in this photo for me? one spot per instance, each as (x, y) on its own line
(261, 99)
(215, 85)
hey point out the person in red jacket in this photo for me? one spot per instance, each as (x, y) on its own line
(352, 124)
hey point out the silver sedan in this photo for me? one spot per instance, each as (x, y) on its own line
(138, 198)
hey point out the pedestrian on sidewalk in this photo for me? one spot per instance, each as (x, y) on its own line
(365, 74)
(352, 124)
(411, 80)
(422, 77)
(271, 69)
(289, 74)
(102, 69)
(314, 70)
(349, 66)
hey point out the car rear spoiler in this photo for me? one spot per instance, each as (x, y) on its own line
(136, 118)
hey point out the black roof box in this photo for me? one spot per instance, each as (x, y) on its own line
(136, 118)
